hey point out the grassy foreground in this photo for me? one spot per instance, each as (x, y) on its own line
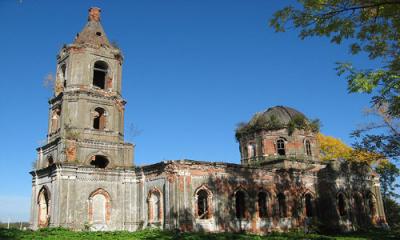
(58, 233)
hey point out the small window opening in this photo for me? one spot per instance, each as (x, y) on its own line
(262, 205)
(252, 150)
(99, 121)
(280, 146)
(202, 204)
(240, 205)
(50, 161)
(100, 71)
(282, 205)
(308, 148)
(341, 205)
(98, 34)
(63, 78)
(99, 161)
(309, 205)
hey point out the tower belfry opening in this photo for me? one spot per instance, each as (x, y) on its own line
(100, 70)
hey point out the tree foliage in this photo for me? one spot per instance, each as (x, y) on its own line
(369, 26)
(334, 149)
(388, 173)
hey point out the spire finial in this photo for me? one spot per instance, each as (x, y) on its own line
(94, 14)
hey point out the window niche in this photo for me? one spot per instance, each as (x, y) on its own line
(99, 119)
(154, 206)
(43, 206)
(308, 147)
(100, 72)
(280, 147)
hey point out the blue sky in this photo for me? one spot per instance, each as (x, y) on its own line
(192, 71)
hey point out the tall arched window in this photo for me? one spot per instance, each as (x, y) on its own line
(99, 120)
(154, 206)
(43, 206)
(308, 147)
(280, 147)
(100, 71)
(99, 161)
(262, 205)
(282, 205)
(240, 204)
(341, 203)
(309, 205)
(202, 204)
(62, 77)
(371, 202)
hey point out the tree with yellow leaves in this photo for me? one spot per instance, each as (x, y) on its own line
(334, 149)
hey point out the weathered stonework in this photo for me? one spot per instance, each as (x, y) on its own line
(85, 176)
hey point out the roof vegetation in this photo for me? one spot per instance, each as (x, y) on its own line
(272, 123)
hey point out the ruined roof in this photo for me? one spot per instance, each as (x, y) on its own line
(282, 113)
(93, 33)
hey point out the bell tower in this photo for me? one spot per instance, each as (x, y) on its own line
(86, 113)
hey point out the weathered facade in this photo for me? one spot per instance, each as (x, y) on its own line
(85, 176)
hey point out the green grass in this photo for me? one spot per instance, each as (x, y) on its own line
(59, 233)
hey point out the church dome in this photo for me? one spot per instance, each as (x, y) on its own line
(282, 114)
(276, 118)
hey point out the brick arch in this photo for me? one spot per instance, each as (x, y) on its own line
(107, 209)
(150, 206)
(371, 204)
(209, 213)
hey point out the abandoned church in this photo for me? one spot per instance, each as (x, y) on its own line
(85, 177)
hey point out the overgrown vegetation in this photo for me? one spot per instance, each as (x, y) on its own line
(59, 233)
(272, 123)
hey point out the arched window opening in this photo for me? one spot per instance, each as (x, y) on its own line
(240, 200)
(202, 204)
(43, 202)
(100, 71)
(245, 152)
(262, 205)
(308, 148)
(99, 121)
(341, 204)
(371, 201)
(282, 205)
(154, 206)
(50, 161)
(280, 147)
(309, 205)
(99, 161)
(252, 150)
(63, 79)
